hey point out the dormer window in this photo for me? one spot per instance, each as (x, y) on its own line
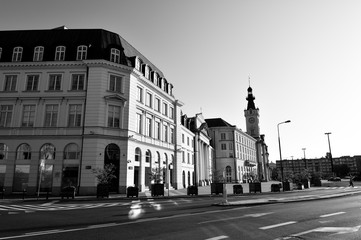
(60, 53)
(155, 76)
(146, 72)
(115, 55)
(81, 52)
(17, 54)
(38, 54)
(137, 64)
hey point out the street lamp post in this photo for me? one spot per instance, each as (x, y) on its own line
(279, 146)
(329, 147)
(304, 156)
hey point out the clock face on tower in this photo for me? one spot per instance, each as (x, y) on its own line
(251, 120)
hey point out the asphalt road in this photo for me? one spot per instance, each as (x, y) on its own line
(183, 218)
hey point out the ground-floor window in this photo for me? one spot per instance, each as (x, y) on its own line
(70, 176)
(46, 178)
(21, 178)
(2, 175)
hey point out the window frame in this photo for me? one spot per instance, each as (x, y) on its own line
(114, 113)
(28, 115)
(5, 120)
(79, 80)
(115, 55)
(51, 115)
(78, 110)
(10, 82)
(117, 86)
(55, 82)
(38, 54)
(82, 52)
(17, 54)
(60, 53)
(34, 80)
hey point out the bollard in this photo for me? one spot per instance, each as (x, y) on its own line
(24, 193)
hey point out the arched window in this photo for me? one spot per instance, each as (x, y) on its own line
(115, 55)
(23, 152)
(38, 54)
(81, 52)
(47, 151)
(17, 54)
(71, 151)
(60, 53)
(148, 156)
(138, 154)
(165, 159)
(4, 149)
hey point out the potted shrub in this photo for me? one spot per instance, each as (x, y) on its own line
(156, 178)
(104, 177)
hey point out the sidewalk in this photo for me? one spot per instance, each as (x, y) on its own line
(246, 198)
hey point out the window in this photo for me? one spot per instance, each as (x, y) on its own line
(2, 174)
(140, 94)
(183, 157)
(75, 113)
(60, 53)
(21, 177)
(148, 156)
(113, 116)
(138, 155)
(139, 123)
(188, 141)
(157, 130)
(157, 104)
(17, 54)
(137, 64)
(71, 151)
(81, 52)
(54, 82)
(4, 149)
(146, 72)
(32, 83)
(171, 112)
(182, 138)
(38, 54)
(115, 55)
(165, 109)
(28, 116)
(230, 146)
(6, 112)
(148, 127)
(148, 100)
(23, 152)
(223, 146)
(223, 136)
(172, 135)
(115, 83)
(47, 152)
(165, 132)
(51, 115)
(188, 158)
(77, 82)
(10, 83)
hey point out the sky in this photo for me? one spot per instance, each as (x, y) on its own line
(302, 59)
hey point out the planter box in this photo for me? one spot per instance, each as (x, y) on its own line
(237, 189)
(255, 187)
(103, 191)
(286, 186)
(68, 192)
(192, 190)
(275, 188)
(132, 192)
(216, 188)
(157, 189)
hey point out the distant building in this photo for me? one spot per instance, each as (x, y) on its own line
(321, 166)
(235, 152)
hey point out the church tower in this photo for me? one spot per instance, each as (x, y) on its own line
(252, 116)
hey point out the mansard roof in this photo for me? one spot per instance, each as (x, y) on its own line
(98, 41)
(218, 122)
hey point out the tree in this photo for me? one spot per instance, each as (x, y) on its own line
(106, 174)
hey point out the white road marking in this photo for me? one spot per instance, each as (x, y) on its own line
(232, 218)
(336, 230)
(331, 214)
(217, 238)
(277, 225)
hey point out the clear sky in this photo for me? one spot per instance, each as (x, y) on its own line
(303, 59)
